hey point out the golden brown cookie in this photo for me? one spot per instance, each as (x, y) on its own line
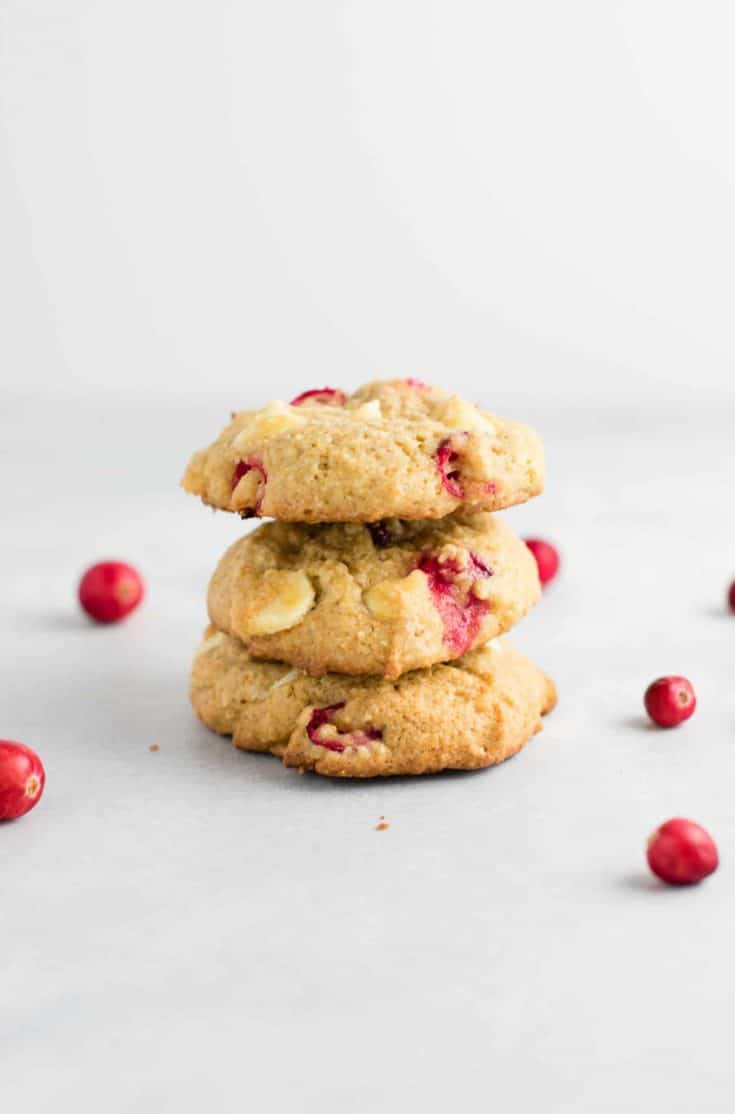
(393, 449)
(472, 713)
(381, 598)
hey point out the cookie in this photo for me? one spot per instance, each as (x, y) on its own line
(393, 449)
(380, 598)
(472, 713)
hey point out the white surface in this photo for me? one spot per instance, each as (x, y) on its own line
(202, 929)
(192, 193)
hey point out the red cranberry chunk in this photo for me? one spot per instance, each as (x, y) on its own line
(342, 740)
(460, 610)
(251, 464)
(380, 534)
(447, 461)
(327, 396)
(417, 384)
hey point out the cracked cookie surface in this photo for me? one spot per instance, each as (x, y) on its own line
(382, 599)
(393, 449)
(472, 713)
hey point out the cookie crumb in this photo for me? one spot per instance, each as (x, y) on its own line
(154, 746)
(382, 826)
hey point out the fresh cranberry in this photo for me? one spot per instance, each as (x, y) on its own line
(417, 384)
(22, 778)
(731, 596)
(547, 558)
(681, 852)
(251, 464)
(461, 611)
(328, 396)
(110, 590)
(380, 534)
(670, 700)
(339, 742)
(447, 459)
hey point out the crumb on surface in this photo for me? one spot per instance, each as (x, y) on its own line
(382, 826)
(154, 746)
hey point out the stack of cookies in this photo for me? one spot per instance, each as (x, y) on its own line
(358, 635)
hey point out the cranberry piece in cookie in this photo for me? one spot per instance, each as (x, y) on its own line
(381, 534)
(447, 461)
(323, 733)
(457, 585)
(327, 396)
(417, 384)
(253, 498)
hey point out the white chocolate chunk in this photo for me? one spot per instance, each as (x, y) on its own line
(211, 643)
(368, 412)
(286, 679)
(389, 598)
(246, 492)
(291, 596)
(482, 589)
(275, 418)
(382, 600)
(459, 414)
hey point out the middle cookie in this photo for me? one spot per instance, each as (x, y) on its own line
(382, 598)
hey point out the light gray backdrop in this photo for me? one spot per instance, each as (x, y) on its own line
(206, 205)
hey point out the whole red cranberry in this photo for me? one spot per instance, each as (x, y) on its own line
(681, 852)
(547, 558)
(22, 778)
(731, 596)
(110, 590)
(670, 700)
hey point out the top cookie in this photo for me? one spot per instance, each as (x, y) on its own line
(393, 449)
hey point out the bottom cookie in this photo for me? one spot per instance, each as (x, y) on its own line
(474, 712)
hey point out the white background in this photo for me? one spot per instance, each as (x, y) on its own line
(206, 205)
(197, 195)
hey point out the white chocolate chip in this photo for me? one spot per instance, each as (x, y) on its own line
(495, 644)
(286, 679)
(482, 589)
(211, 643)
(459, 414)
(275, 418)
(290, 597)
(389, 598)
(247, 490)
(382, 600)
(369, 411)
